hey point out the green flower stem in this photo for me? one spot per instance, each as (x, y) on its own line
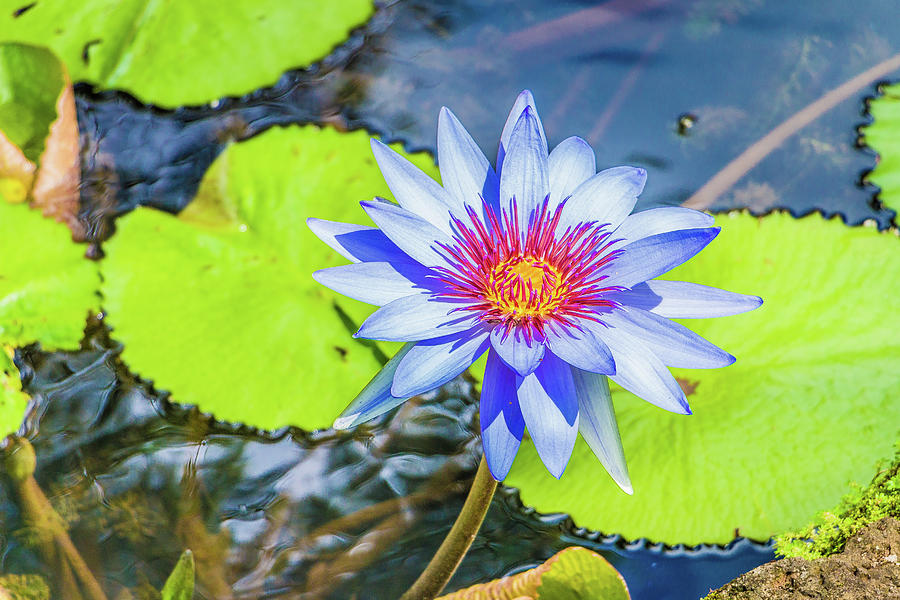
(456, 544)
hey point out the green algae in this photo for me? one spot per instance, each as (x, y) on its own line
(829, 532)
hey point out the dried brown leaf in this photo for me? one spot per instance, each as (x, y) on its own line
(56, 188)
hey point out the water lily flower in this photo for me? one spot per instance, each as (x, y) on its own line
(541, 264)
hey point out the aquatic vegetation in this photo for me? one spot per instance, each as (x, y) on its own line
(883, 136)
(46, 286)
(23, 587)
(540, 265)
(240, 258)
(215, 307)
(134, 46)
(45, 295)
(39, 134)
(571, 574)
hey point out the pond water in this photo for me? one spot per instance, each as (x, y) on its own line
(290, 514)
(678, 87)
(628, 75)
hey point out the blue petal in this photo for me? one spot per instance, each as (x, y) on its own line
(683, 300)
(550, 409)
(516, 350)
(358, 243)
(598, 427)
(607, 197)
(375, 282)
(414, 190)
(524, 99)
(435, 362)
(581, 346)
(661, 220)
(417, 317)
(652, 256)
(571, 163)
(525, 175)
(640, 372)
(674, 344)
(414, 235)
(375, 399)
(466, 173)
(502, 425)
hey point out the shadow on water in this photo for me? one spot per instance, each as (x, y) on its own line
(287, 514)
(625, 74)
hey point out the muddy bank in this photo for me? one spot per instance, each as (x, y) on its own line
(867, 568)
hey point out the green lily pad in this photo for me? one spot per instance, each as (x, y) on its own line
(176, 53)
(883, 135)
(810, 405)
(47, 288)
(580, 574)
(218, 305)
(571, 574)
(30, 82)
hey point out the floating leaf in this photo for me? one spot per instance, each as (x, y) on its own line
(883, 135)
(180, 584)
(571, 574)
(579, 574)
(47, 288)
(810, 405)
(38, 126)
(30, 82)
(175, 53)
(219, 306)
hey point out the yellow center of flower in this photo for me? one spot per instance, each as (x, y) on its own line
(524, 287)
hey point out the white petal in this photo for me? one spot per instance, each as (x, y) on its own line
(375, 283)
(525, 176)
(674, 344)
(466, 173)
(416, 317)
(414, 235)
(572, 163)
(524, 99)
(661, 220)
(598, 427)
(607, 197)
(683, 300)
(640, 372)
(435, 362)
(414, 190)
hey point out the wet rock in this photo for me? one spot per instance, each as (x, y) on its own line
(867, 569)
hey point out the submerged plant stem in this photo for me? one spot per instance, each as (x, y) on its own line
(456, 544)
(722, 181)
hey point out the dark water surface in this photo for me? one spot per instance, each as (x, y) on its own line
(356, 515)
(289, 514)
(620, 73)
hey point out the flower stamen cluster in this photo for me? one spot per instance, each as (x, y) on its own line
(529, 279)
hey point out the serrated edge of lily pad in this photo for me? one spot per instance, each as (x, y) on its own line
(568, 527)
(187, 411)
(865, 178)
(340, 54)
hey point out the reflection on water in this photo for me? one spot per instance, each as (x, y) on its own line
(621, 73)
(288, 514)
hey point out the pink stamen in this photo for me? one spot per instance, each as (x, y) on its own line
(529, 279)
